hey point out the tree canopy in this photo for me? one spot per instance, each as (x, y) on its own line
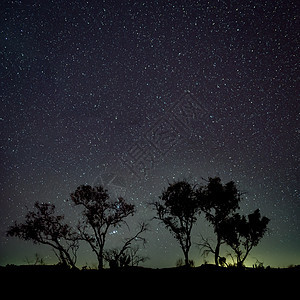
(178, 208)
(242, 234)
(42, 226)
(218, 201)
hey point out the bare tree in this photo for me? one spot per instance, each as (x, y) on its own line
(127, 255)
(135, 258)
(42, 226)
(38, 260)
(99, 215)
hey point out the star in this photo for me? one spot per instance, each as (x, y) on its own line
(147, 94)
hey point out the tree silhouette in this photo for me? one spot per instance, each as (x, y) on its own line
(42, 226)
(218, 202)
(242, 234)
(135, 258)
(126, 255)
(178, 209)
(100, 214)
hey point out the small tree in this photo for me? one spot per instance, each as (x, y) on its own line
(178, 209)
(242, 234)
(135, 258)
(42, 226)
(218, 202)
(127, 255)
(99, 215)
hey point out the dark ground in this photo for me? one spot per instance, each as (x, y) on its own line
(138, 272)
(208, 281)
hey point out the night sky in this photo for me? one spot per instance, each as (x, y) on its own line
(135, 94)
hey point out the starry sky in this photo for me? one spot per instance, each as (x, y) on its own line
(135, 94)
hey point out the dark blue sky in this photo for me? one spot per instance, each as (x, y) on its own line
(142, 92)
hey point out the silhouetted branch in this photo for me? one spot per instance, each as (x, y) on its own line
(100, 214)
(205, 246)
(42, 226)
(121, 257)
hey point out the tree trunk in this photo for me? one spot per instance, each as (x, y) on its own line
(186, 249)
(217, 251)
(70, 260)
(100, 258)
(65, 256)
(100, 263)
(100, 254)
(186, 258)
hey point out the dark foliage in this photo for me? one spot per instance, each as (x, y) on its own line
(218, 202)
(178, 210)
(242, 234)
(42, 226)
